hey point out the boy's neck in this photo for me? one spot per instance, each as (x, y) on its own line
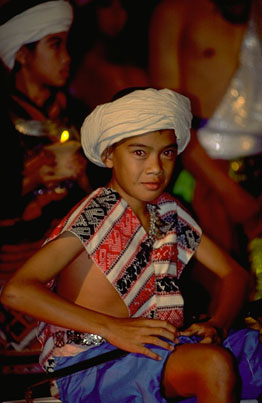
(36, 92)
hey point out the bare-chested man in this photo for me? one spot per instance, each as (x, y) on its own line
(210, 51)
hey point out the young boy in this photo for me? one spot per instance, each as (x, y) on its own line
(117, 259)
(33, 49)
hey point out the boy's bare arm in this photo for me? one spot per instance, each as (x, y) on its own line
(233, 282)
(27, 292)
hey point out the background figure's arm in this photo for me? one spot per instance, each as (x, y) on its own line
(241, 206)
(164, 37)
(233, 283)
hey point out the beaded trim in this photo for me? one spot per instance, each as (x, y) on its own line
(154, 231)
(87, 339)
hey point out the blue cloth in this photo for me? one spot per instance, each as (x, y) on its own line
(137, 379)
(247, 349)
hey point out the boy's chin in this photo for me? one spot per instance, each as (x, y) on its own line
(152, 197)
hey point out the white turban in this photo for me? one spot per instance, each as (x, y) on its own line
(140, 112)
(32, 25)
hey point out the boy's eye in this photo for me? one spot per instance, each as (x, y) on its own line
(170, 153)
(55, 44)
(139, 153)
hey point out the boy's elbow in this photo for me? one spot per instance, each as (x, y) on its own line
(243, 280)
(243, 275)
(10, 295)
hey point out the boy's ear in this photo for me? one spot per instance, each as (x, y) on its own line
(21, 55)
(107, 157)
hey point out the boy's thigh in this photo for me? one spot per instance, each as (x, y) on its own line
(192, 364)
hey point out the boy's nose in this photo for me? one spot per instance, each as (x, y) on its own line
(66, 58)
(154, 167)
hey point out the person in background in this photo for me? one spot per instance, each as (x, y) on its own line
(104, 62)
(40, 140)
(211, 52)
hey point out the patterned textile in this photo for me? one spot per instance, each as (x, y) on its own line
(144, 273)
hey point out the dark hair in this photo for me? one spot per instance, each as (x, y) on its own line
(126, 91)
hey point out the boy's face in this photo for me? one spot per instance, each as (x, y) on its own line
(49, 63)
(142, 165)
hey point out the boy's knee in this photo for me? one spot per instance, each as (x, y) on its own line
(219, 363)
(220, 374)
(194, 368)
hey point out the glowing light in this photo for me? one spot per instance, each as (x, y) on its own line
(64, 136)
(217, 146)
(235, 166)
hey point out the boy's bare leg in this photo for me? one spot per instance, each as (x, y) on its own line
(205, 371)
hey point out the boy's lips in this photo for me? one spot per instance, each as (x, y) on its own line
(152, 185)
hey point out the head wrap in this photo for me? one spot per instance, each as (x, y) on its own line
(32, 25)
(139, 112)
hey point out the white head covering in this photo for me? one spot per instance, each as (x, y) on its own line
(139, 112)
(32, 25)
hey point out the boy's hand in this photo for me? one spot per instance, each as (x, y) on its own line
(133, 334)
(209, 333)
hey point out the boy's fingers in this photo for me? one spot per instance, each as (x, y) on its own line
(160, 332)
(161, 343)
(207, 340)
(149, 353)
(186, 333)
(161, 324)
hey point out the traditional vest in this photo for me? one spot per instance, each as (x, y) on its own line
(144, 272)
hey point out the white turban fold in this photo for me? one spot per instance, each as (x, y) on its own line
(32, 25)
(139, 112)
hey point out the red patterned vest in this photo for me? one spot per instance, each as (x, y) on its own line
(145, 273)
